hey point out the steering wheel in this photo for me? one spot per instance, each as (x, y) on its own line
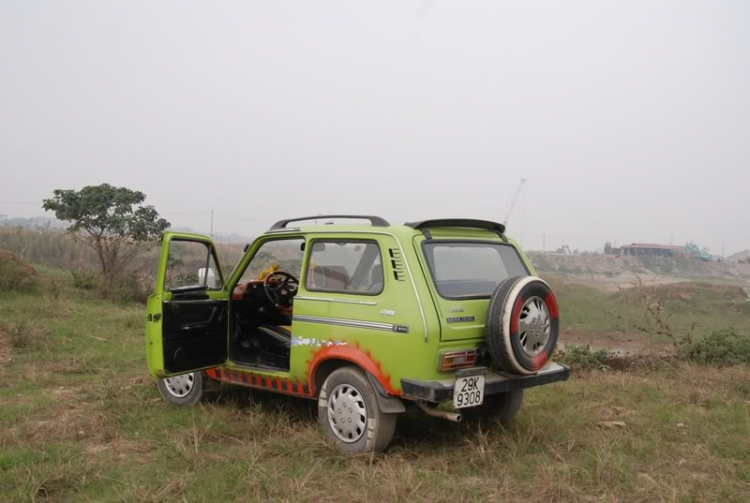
(281, 295)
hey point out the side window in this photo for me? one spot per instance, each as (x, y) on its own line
(279, 254)
(345, 267)
(191, 263)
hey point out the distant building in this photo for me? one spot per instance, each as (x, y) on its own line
(638, 249)
(742, 257)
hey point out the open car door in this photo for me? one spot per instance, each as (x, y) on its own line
(187, 320)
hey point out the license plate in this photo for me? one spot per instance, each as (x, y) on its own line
(468, 391)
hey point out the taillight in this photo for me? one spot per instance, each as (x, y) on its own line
(453, 360)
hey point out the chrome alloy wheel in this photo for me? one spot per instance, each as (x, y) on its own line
(347, 413)
(534, 326)
(181, 385)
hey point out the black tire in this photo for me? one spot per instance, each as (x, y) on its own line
(502, 407)
(188, 394)
(519, 310)
(363, 426)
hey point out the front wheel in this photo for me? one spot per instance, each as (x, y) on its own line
(185, 389)
(348, 411)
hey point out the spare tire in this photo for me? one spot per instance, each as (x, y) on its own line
(522, 324)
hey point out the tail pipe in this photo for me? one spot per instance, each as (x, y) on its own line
(442, 414)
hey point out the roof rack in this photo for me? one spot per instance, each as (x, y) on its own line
(458, 222)
(374, 221)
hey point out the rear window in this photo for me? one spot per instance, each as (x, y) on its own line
(470, 270)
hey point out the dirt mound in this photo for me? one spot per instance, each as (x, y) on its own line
(689, 292)
(619, 269)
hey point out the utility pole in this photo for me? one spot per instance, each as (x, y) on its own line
(212, 224)
(514, 201)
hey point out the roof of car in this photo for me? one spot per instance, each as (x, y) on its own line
(326, 223)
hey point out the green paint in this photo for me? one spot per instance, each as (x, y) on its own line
(408, 301)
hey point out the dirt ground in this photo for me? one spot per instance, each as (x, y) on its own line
(610, 273)
(4, 349)
(616, 341)
(611, 284)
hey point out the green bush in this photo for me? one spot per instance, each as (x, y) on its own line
(15, 274)
(24, 335)
(84, 280)
(720, 347)
(583, 357)
(127, 289)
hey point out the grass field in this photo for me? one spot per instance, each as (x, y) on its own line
(81, 421)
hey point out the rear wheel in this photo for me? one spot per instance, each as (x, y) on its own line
(348, 411)
(501, 407)
(184, 389)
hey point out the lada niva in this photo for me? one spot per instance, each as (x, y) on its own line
(365, 317)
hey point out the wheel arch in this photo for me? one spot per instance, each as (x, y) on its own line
(331, 358)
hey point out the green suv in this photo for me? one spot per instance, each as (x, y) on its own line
(368, 319)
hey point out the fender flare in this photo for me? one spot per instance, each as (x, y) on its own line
(387, 395)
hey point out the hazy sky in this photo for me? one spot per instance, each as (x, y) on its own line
(631, 120)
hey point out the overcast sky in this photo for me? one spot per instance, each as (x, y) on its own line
(631, 120)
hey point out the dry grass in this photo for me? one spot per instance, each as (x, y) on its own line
(80, 422)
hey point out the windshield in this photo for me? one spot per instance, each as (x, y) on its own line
(471, 270)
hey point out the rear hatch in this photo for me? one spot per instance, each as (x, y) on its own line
(463, 272)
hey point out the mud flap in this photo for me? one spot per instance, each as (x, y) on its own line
(387, 404)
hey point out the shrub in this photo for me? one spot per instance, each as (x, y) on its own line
(24, 335)
(127, 289)
(583, 357)
(84, 280)
(720, 347)
(15, 274)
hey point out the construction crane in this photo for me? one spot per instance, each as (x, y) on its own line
(514, 201)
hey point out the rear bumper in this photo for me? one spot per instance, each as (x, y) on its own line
(494, 382)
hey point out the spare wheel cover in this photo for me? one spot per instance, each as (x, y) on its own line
(530, 324)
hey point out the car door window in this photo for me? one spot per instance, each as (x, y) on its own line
(191, 263)
(345, 267)
(279, 254)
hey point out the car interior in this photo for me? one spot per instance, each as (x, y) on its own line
(262, 303)
(261, 332)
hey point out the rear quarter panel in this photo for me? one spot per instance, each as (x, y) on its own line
(389, 355)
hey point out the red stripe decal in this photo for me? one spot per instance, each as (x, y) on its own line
(551, 302)
(289, 387)
(268, 382)
(514, 315)
(258, 380)
(278, 384)
(539, 361)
